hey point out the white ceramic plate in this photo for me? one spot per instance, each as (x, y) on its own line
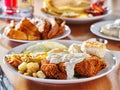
(109, 58)
(65, 34)
(82, 20)
(96, 27)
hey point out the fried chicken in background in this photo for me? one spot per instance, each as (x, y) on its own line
(53, 71)
(46, 28)
(57, 27)
(36, 29)
(77, 63)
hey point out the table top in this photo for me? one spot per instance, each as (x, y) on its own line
(79, 32)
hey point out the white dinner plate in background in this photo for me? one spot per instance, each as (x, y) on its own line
(80, 20)
(96, 27)
(65, 34)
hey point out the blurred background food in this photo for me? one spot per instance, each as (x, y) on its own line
(35, 29)
(111, 29)
(74, 9)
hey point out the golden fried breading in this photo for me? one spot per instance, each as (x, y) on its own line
(36, 29)
(61, 66)
(50, 70)
(57, 28)
(61, 75)
(15, 62)
(15, 34)
(33, 37)
(29, 28)
(44, 62)
(61, 31)
(90, 66)
(46, 29)
(61, 24)
(53, 31)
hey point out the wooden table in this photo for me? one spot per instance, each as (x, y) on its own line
(79, 32)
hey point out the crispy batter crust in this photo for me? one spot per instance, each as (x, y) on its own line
(53, 70)
(90, 66)
(17, 34)
(30, 29)
(46, 28)
(50, 70)
(26, 30)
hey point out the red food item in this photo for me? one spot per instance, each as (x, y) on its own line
(14, 63)
(96, 8)
(93, 12)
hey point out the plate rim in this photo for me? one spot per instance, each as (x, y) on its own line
(53, 81)
(97, 30)
(65, 34)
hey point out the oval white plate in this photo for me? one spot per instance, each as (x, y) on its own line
(95, 29)
(81, 20)
(109, 58)
(65, 34)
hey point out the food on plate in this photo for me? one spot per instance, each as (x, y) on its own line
(44, 47)
(35, 29)
(59, 62)
(94, 48)
(112, 30)
(74, 9)
(90, 66)
(97, 8)
(24, 30)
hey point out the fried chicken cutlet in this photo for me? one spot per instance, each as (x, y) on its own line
(29, 29)
(52, 71)
(57, 27)
(90, 66)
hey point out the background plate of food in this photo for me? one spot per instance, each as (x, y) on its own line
(60, 61)
(107, 29)
(36, 29)
(79, 11)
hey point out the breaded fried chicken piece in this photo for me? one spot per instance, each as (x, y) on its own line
(53, 70)
(29, 29)
(57, 27)
(61, 24)
(61, 75)
(16, 34)
(90, 66)
(53, 31)
(50, 70)
(46, 28)
(61, 66)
